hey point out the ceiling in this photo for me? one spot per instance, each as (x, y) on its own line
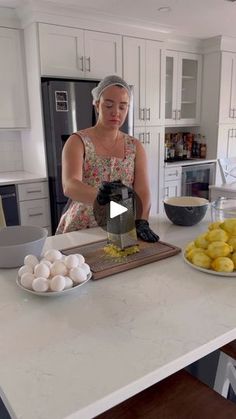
(196, 18)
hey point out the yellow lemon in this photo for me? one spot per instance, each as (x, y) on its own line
(229, 225)
(232, 242)
(233, 257)
(217, 234)
(223, 264)
(189, 246)
(218, 248)
(189, 255)
(201, 241)
(202, 260)
(214, 225)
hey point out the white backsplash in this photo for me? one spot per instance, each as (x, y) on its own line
(11, 159)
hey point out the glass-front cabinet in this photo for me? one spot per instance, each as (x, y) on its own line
(183, 88)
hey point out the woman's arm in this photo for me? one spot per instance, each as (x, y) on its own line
(141, 180)
(72, 172)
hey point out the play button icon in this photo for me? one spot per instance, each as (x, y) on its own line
(116, 209)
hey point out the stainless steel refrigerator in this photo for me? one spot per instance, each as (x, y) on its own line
(67, 108)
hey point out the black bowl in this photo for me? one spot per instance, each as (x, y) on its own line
(185, 210)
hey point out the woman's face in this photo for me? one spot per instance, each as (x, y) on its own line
(113, 106)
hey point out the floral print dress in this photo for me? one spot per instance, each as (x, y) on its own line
(97, 169)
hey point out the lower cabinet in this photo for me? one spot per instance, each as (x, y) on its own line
(152, 139)
(172, 184)
(33, 201)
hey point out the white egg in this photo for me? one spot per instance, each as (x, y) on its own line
(47, 262)
(52, 255)
(71, 261)
(86, 268)
(40, 284)
(58, 283)
(42, 270)
(78, 275)
(58, 268)
(31, 260)
(68, 282)
(80, 259)
(27, 280)
(25, 268)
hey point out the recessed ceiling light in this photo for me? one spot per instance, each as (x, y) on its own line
(164, 9)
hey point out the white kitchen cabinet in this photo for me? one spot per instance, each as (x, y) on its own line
(227, 104)
(72, 52)
(33, 200)
(144, 69)
(183, 88)
(14, 111)
(172, 181)
(152, 139)
(227, 141)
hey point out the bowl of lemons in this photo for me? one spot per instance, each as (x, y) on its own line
(214, 251)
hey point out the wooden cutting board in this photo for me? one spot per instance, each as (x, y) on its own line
(103, 265)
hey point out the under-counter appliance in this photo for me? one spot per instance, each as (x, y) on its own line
(9, 204)
(67, 108)
(196, 179)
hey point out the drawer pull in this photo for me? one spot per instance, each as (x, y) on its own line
(36, 214)
(35, 191)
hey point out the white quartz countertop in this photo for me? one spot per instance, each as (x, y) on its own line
(77, 355)
(188, 162)
(8, 178)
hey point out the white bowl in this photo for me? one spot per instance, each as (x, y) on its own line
(18, 241)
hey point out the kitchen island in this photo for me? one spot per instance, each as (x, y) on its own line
(77, 355)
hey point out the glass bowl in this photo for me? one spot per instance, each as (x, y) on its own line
(223, 208)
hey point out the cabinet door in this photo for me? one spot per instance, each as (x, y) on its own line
(189, 88)
(152, 139)
(103, 54)
(134, 74)
(228, 88)
(14, 100)
(171, 87)
(61, 51)
(172, 189)
(154, 86)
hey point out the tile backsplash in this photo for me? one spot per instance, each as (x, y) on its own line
(11, 158)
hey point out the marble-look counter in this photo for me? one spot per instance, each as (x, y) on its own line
(78, 355)
(9, 178)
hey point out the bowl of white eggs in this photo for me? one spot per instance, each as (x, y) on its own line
(53, 273)
(18, 241)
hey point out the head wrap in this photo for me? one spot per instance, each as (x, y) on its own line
(107, 82)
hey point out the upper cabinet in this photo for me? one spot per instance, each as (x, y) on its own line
(143, 68)
(71, 52)
(14, 101)
(183, 88)
(227, 103)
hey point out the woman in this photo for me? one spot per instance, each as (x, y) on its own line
(104, 153)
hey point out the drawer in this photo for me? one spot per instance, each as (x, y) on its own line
(35, 212)
(173, 173)
(35, 190)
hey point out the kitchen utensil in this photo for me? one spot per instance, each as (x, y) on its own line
(102, 265)
(185, 210)
(223, 208)
(18, 241)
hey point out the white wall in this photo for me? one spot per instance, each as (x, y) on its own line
(11, 158)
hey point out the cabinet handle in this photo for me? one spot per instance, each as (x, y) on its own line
(148, 114)
(233, 113)
(88, 68)
(173, 174)
(81, 63)
(34, 191)
(147, 138)
(36, 214)
(141, 114)
(141, 137)
(179, 114)
(174, 114)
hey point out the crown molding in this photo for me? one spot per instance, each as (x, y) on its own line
(9, 18)
(219, 43)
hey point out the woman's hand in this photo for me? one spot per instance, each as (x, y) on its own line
(144, 232)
